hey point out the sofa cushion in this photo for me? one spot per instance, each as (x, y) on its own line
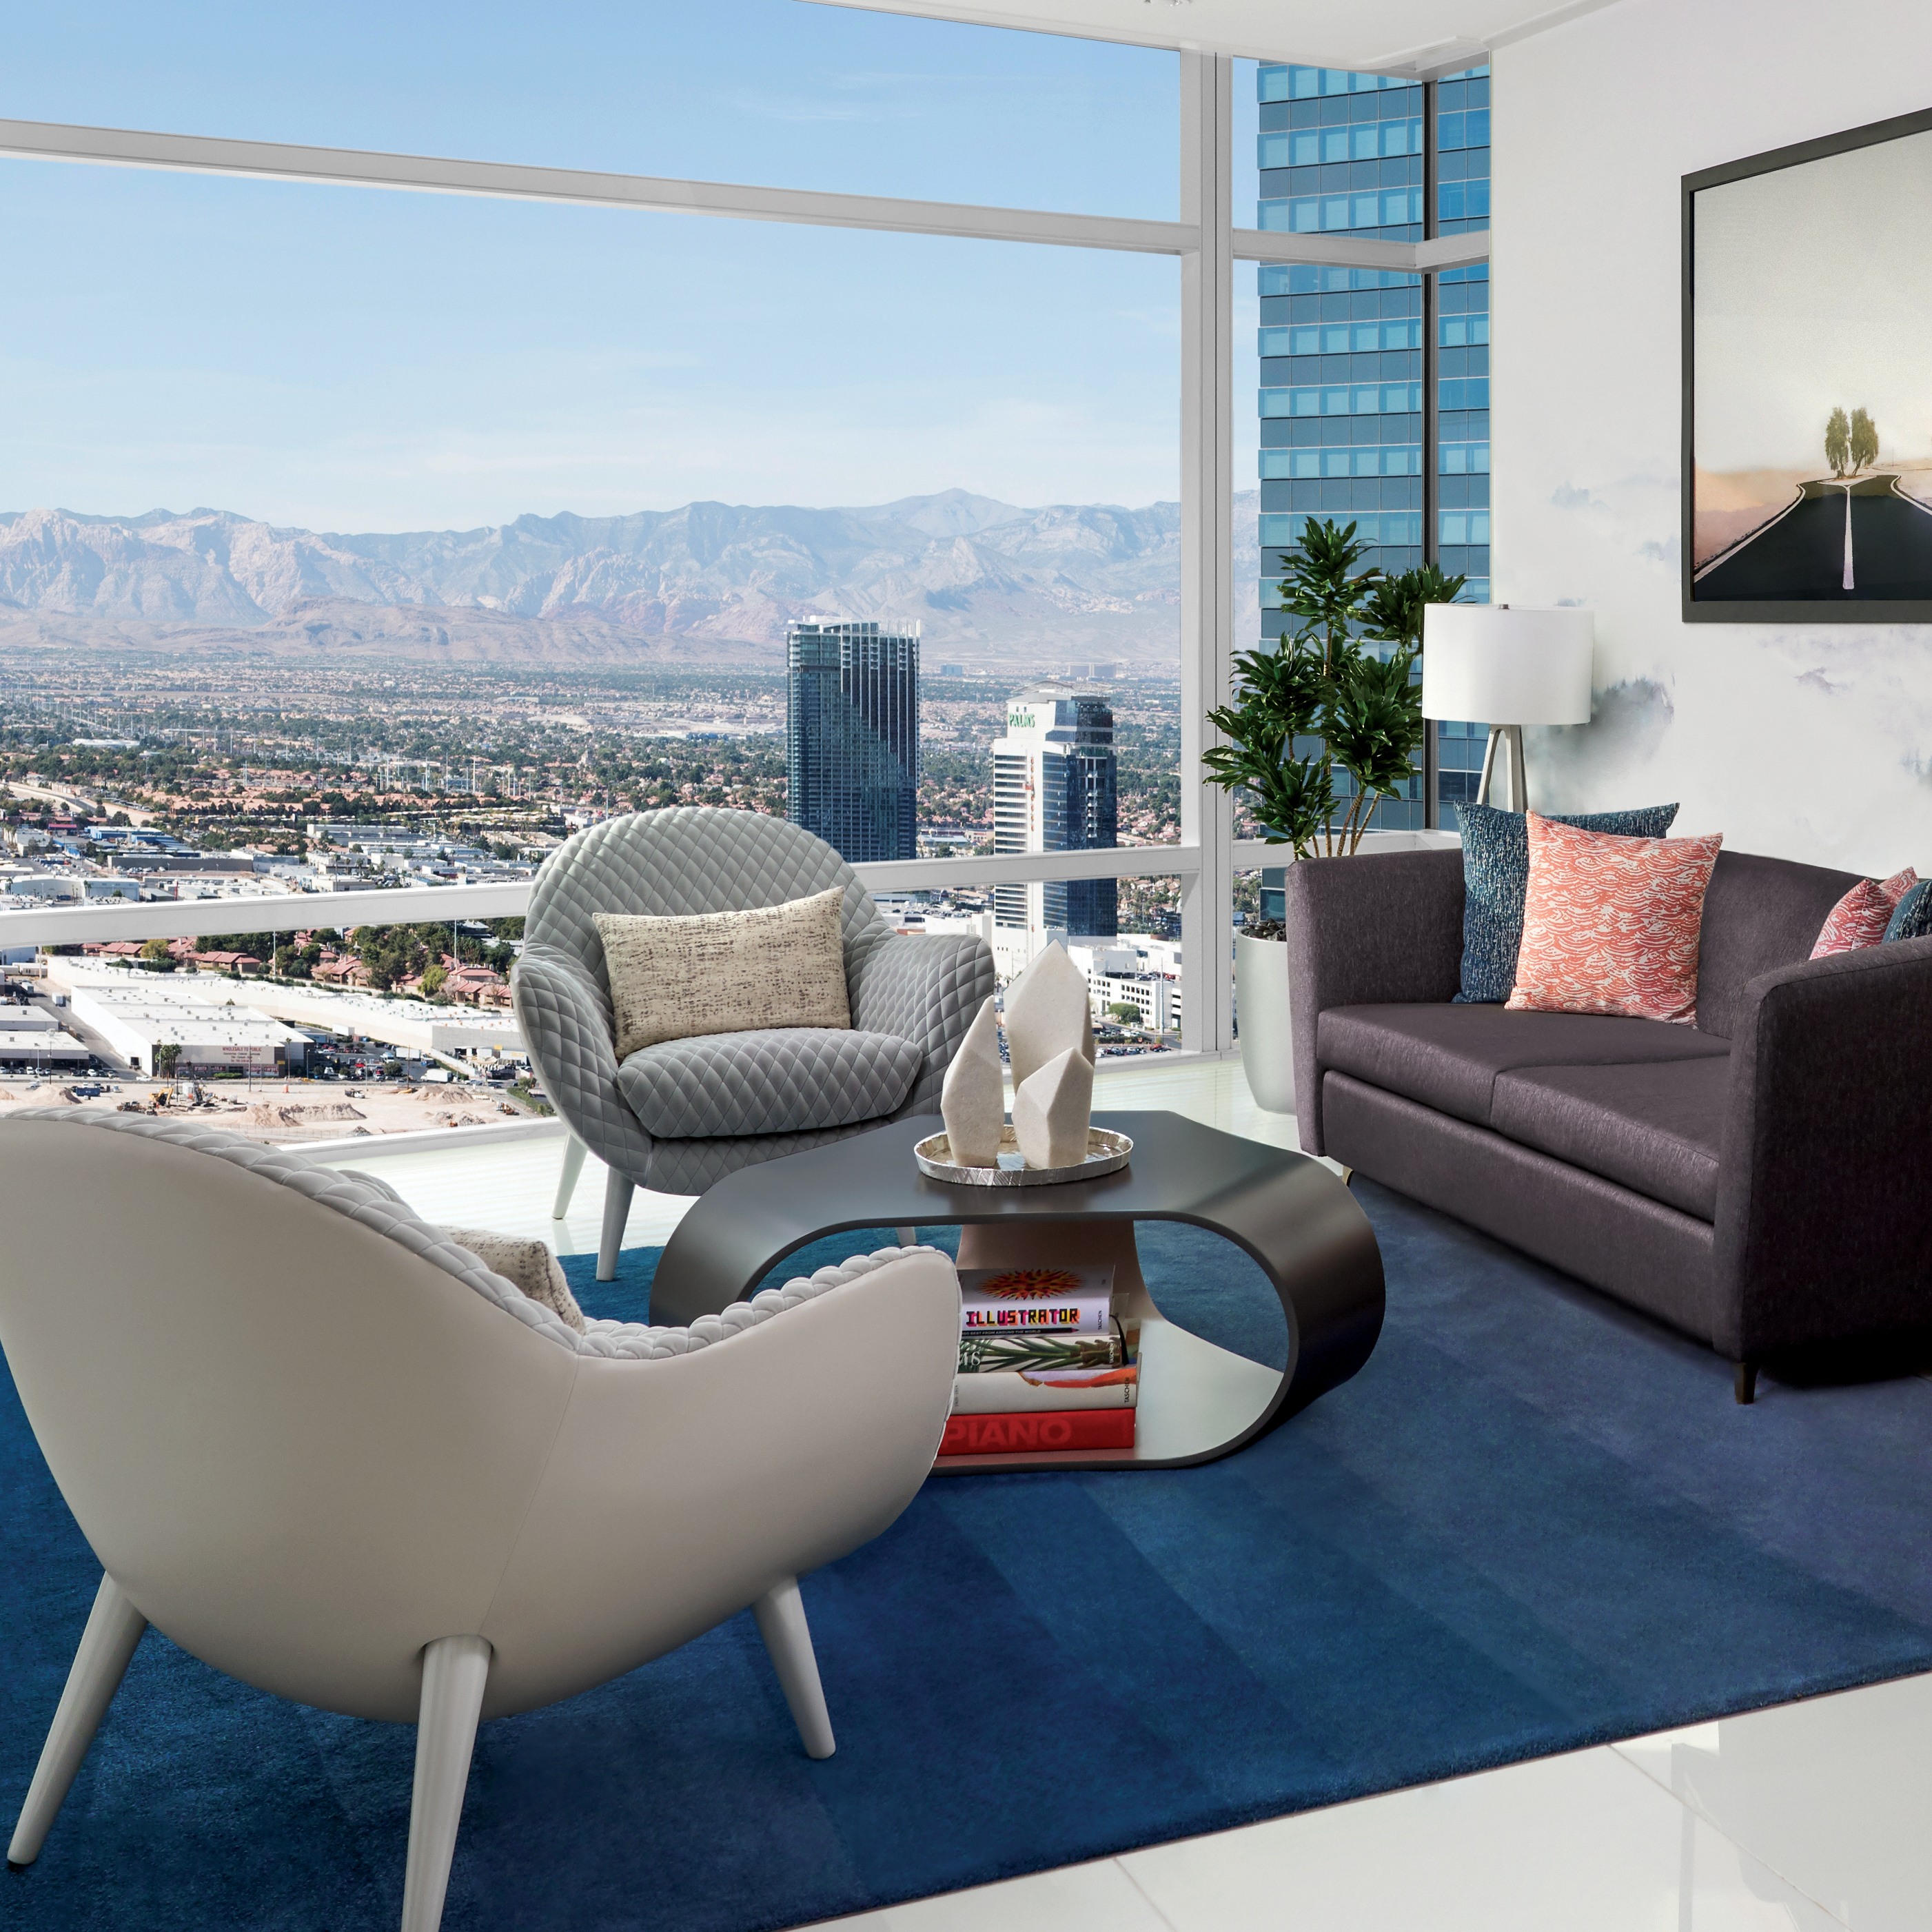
(1449, 1057)
(1611, 925)
(1655, 1127)
(1860, 919)
(773, 1080)
(1911, 917)
(1495, 881)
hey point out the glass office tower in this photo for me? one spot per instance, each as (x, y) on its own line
(852, 737)
(1055, 789)
(1345, 412)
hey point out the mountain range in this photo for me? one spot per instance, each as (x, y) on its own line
(709, 583)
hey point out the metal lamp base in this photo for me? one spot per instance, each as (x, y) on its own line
(1508, 739)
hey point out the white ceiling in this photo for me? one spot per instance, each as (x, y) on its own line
(1407, 36)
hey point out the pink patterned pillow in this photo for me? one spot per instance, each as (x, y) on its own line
(1860, 918)
(1611, 925)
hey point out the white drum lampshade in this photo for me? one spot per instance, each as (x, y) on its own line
(1506, 665)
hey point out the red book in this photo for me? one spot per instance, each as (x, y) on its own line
(1048, 1430)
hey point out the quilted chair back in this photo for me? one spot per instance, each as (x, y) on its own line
(687, 859)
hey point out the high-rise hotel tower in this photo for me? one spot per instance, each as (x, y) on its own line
(852, 737)
(1054, 790)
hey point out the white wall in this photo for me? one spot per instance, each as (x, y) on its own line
(1809, 741)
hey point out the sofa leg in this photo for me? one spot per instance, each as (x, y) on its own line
(1747, 1382)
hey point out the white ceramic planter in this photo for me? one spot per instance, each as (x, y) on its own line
(1261, 1011)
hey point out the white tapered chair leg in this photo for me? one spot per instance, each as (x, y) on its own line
(455, 1669)
(114, 1627)
(617, 1193)
(908, 1237)
(574, 1151)
(780, 1615)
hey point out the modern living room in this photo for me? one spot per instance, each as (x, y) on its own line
(1525, 1519)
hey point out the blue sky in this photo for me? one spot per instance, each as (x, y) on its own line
(352, 359)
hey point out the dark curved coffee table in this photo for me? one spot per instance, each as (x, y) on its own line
(1198, 1401)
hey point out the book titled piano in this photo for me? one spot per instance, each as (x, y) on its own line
(1073, 1429)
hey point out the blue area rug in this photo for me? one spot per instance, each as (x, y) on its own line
(1532, 1522)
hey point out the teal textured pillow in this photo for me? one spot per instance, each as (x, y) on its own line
(1495, 878)
(1911, 919)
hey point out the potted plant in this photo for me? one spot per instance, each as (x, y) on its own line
(1338, 695)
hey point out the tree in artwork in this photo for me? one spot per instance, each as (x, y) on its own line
(1838, 442)
(1864, 440)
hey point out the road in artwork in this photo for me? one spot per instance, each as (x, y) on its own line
(1865, 541)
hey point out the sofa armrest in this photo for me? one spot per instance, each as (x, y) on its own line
(566, 1018)
(927, 988)
(1824, 1226)
(1368, 931)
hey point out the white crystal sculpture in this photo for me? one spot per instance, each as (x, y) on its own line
(1051, 1108)
(973, 1101)
(1048, 1011)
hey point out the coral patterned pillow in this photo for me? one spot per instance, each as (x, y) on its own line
(1611, 925)
(1860, 918)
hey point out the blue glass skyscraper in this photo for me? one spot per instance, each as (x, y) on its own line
(852, 737)
(1350, 429)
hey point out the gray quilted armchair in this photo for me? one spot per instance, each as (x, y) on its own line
(680, 1115)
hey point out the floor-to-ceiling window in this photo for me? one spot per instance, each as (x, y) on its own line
(480, 504)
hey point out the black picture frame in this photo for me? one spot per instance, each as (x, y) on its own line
(1711, 610)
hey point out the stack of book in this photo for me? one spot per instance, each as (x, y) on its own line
(1044, 1364)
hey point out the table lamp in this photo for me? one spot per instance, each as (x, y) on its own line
(1502, 661)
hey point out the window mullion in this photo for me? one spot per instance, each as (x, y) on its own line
(1207, 537)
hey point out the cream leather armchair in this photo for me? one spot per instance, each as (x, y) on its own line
(325, 1450)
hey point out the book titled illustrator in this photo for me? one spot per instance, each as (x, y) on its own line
(1055, 1300)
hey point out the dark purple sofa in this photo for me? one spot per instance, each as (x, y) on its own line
(1759, 1180)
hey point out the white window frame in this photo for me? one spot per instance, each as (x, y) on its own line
(1208, 243)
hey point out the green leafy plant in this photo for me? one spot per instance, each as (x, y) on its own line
(1325, 699)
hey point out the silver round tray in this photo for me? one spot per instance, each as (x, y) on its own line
(1107, 1153)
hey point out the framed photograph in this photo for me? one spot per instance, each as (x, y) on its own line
(1807, 382)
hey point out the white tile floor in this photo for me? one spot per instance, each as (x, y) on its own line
(1811, 1816)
